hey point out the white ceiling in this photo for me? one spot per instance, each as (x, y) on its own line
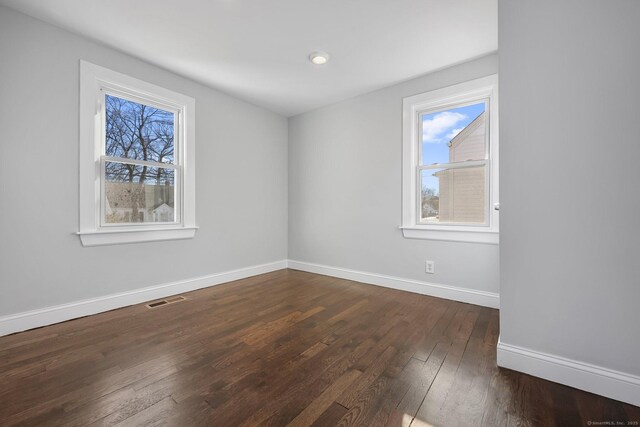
(257, 50)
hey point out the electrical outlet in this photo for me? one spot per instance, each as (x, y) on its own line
(430, 267)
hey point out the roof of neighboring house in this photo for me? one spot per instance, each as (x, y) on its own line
(159, 205)
(462, 136)
(467, 130)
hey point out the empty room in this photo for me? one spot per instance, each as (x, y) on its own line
(319, 213)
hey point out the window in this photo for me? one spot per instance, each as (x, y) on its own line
(136, 160)
(450, 163)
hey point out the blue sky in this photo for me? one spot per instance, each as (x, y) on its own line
(441, 127)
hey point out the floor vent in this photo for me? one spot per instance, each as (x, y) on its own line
(165, 301)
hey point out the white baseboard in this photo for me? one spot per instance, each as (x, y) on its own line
(486, 299)
(595, 379)
(60, 313)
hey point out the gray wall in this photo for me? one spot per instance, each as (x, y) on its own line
(345, 190)
(241, 178)
(569, 152)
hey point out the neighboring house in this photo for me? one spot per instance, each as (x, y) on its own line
(133, 202)
(162, 213)
(462, 190)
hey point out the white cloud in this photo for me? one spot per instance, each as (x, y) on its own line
(443, 123)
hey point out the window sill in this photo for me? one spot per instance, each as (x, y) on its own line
(467, 236)
(116, 237)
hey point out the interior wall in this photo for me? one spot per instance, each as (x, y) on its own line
(241, 178)
(569, 150)
(345, 171)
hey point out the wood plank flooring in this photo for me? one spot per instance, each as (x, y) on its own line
(284, 348)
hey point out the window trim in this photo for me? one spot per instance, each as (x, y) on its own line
(95, 81)
(413, 107)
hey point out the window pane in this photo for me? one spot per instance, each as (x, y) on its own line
(454, 135)
(137, 193)
(453, 195)
(138, 131)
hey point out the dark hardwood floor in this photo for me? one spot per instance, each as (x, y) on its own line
(284, 348)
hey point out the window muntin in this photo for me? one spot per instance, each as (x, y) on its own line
(454, 151)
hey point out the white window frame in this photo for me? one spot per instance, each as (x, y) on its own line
(95, 81)
(474, 91)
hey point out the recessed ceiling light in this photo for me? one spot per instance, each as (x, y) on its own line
(319, 58)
